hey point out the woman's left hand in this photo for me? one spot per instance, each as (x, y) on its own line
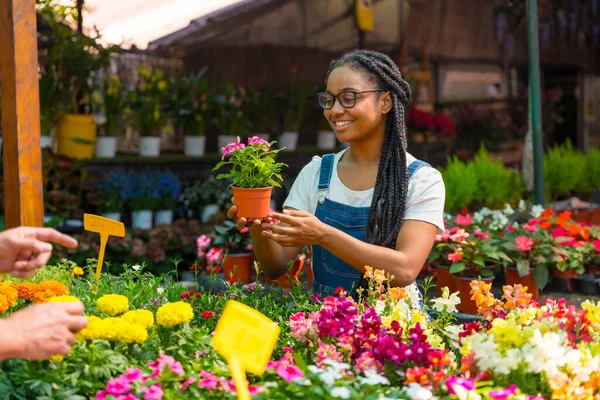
(304, 229)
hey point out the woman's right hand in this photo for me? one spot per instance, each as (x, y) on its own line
(241, 223)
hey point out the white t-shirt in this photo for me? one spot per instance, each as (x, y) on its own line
(425, 201)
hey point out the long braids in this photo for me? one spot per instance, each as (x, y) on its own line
(391, 188)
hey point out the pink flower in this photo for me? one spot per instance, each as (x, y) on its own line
(443, 237)
(153, 392)
(177, 368)
(459, 236)
(244, 230)
(118, 386)
(187, 383)
(214, 256)
(102, 395)
(523, 243)
(255, 140)
(128, 397)
(481, 235)
(454, 381)
(596, 244)
(203, 242)
(254, 390)
(502, 394)
(249, 247)
(456, 256)
(231, 147)
(529, 227)
(290, 373)
(133, 374)
(559, 232)
(299, 326)
(208, 381)
(510, 228)
(463, 220)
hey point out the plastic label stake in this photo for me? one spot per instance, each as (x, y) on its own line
(246, 338)
(105, 227)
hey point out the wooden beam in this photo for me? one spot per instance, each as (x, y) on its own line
(23, 182)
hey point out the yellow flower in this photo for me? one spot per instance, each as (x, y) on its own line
(64, 299)
(172, 314)
(131, 333)
(3, 304)
(78, 271)
(161, 85)
(93, 329)
(368, 272)
(379, 276)
(12, 295)
(112, 304)
(57, 358)
(142, 318)
(7, 282)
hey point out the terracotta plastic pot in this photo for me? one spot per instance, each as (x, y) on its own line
(513, 278)
(289, 279)
(238, 267)
(444, 279)
(253, 203)
(463, 285)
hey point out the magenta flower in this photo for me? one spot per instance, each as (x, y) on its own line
(187, 383)
(133, 374)
(118, 386)
(102, 395)
(214, 256)
(244, 230)
(177, 368)
(231, 147)
(523, 243)
(153, 392)
(501, 394)
(463, 220)
(596, 244)
(290, 373)
(203, 242)
(255, 140)
(454, 381)
(481, 235)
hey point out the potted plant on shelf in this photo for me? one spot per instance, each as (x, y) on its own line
(107, 194)
(74, 59)
(229, 109)
(115, 112)
(142, 195)
(260, 110)
(50, 106)
(147, 104)
(239, 257)
(295, 112)
(203, 199)
(191, 101)
(326, 139)
(169, 189)
(253, 172)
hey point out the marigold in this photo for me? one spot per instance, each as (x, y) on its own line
(7, 282)
(64, 299)
(47, 289)
(3, 304)
(78, 271)
(176, 313)
(142, 318)
(112, 304)
(92, 330)
(26, 290)
(131, 333)
(12, 295)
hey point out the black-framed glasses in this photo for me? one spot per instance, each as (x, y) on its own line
(346, 99)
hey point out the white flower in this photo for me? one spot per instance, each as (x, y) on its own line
(341, 392)
(412, 291)
(537, 210)
(336, 366)
(136, 267)
(447, 301)
(329, 377)
(417, 392)
(314, 369)
(522, 205)
(160, 290)
(508, 210)
(373, 378)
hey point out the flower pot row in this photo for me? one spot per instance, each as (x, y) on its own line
(145, 219)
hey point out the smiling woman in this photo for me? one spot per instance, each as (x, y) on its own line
(372, 204)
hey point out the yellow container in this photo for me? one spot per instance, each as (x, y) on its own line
(76, 136)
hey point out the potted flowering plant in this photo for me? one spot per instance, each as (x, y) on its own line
(169, 189)
(114, 110)
(147, 103)
(239, 257)
(191, 101)
(254, 172)
(294, 116)
(107, 194)
(231, 120)
(260, 108)
(142, 196)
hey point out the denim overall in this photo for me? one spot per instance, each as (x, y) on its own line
(329, 271)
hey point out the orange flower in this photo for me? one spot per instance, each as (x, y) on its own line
(397, 293)
(483, 297)
(545, 225)
(547, 214)
(368, 272)
(48, 289)
(26, 290)
(379, 276)
(77, 271)
(516, 296)
(3, 304)
(11, 293)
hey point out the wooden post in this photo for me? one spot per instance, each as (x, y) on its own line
(23, 182)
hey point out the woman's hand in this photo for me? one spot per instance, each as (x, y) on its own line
(241, 223)
(303, 229)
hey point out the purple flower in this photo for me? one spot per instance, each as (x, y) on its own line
(501, 394)
(250, 287)
(316, 298)
(453, 381)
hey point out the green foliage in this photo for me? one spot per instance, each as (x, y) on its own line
(460, 180)
(496, 184)
(190, 99)
(227, 236)
(297, 106)
(591, 182)
(564, 171)
(228, 107)
(252, 166)
(148, 102)
(260, 109)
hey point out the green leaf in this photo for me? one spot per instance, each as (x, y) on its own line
(479, 260)
(540, 276)
(457, 268)
(486, 273)
(523, 267)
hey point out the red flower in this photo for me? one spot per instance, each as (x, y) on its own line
(214, 269)
(208, 314)
(232, 279)
(338, 290)
(195, 267)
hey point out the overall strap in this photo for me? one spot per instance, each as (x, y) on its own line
(326, 171)
(414, 166)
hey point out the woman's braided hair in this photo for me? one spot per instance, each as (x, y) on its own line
(391, 187)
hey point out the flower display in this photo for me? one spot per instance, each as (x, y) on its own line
(143, 318)
(63, 299)
(45, 290)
